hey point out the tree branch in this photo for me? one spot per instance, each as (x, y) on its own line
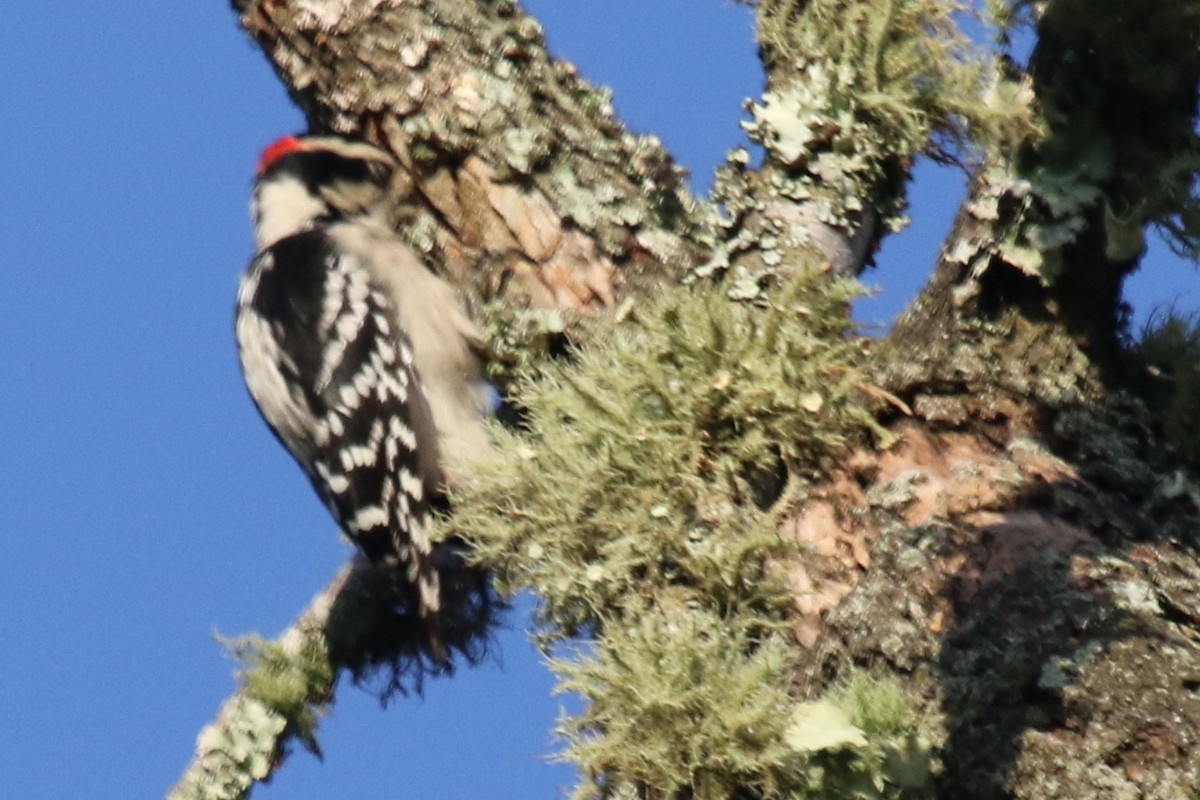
(354, 624)
(247, 740)
(1055, 222)
(855, 92)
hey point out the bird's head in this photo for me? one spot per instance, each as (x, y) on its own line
(305, 180)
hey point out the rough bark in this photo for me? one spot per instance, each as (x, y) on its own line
(1024, 559)
(522, 181)
(1025, 528)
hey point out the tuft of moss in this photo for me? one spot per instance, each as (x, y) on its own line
(648, 458)
(641, 499)
(680, 704)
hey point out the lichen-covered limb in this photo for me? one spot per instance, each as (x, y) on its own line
(245, 742)
(354, 625)
(1055, 221)
(855, 92)
(522, 182)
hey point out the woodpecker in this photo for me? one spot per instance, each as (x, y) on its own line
(362, 361)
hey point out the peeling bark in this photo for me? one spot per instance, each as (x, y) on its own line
(1030, 609)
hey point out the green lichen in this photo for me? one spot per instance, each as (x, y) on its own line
(283, 679)
(236, 755)
(1115, 147)
(641, 501)
(684, 703)
(856, 92)
(647, 452)
(680, 701)
(859, 85)
(285, 690)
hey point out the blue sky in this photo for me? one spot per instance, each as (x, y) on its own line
(145, 506)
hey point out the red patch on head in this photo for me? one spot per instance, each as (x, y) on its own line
(275, 149)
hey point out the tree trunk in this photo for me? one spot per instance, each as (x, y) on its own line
(522, 180)
(1012, 546)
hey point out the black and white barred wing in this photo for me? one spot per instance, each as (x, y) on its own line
(330, 368)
